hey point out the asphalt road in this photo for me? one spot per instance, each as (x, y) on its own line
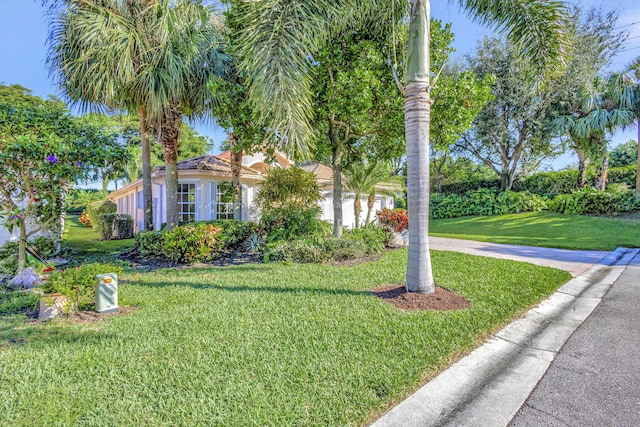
(595, 378)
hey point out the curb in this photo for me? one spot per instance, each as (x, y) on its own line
(489, 385)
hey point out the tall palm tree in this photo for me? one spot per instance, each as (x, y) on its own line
(153, 56)
(279, 36)
(97, 48)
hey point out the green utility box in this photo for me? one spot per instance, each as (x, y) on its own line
(107, 293)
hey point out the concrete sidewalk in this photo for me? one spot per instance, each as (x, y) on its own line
(488, 386)
(575, 262)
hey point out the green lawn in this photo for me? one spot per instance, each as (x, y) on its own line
(260, 345)
(86, 244)
(543, 229)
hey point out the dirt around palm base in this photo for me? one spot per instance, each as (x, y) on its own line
(441, 299)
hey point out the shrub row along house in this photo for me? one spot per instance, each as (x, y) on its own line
(205, 192)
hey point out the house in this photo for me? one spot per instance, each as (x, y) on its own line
(205, 193)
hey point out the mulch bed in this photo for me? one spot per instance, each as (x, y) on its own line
(441, 299)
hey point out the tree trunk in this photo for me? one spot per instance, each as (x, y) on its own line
(371, 200)
(170, 132)
(357, 210)
(582, 169)
(22, 246)
(602, 171)
(236, 168)
(336, 165)
(147, 192)
(506, 181)
(417, 109)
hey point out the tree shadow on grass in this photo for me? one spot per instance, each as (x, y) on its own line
(17, 332)
(269, 289)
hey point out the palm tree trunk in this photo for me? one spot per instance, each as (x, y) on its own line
(417, 110)
(582, 169)
(147, 192)
(371, 200)
(236, 168)
(357, 210)
(170, 143)
(602, 172)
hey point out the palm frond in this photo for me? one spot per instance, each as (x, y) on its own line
(537, 26)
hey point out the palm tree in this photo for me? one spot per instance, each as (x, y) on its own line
(97, 71)
(279, 36)
(367, 178)
(598, 109)
(155, 56)
(626, 92)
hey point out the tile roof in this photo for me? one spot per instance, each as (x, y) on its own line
(212, 163)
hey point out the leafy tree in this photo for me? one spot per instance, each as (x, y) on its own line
(356, 103)
(43, 151)
(284, 33)
(624, 154)
(513, 133)
(458, 98)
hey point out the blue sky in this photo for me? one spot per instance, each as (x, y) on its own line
(23, 33)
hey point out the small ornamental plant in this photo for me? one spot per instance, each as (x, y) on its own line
(78, 284)
(394, 219)
(84, 219)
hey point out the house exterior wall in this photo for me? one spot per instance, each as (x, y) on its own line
(348, 211)
(130, 201)
(6, 236)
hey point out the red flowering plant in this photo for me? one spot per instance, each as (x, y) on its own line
(393, 219)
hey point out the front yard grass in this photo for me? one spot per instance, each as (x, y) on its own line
(543, 229)
(87, 245)
(270, 344)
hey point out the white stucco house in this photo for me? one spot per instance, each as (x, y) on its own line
(204, 182)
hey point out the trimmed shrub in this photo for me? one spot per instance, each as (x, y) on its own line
(149, 243)
(595, 202)
(291, 223)
(116, 226)
(233, 232)
(485, 202)
(78, 284)
(297, 251)
(192, 243)
(95, 209)
(545, 183)
(343, 249)
(373, 237)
